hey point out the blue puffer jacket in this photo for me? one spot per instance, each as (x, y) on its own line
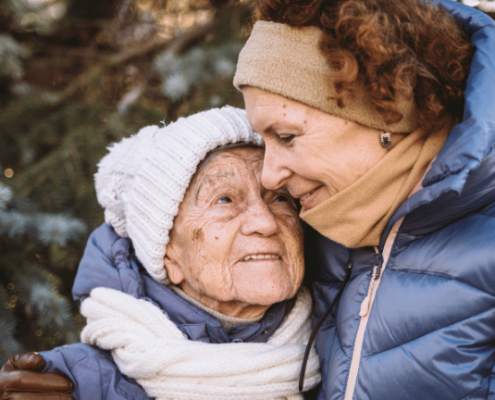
(109, 261)
(428, 332)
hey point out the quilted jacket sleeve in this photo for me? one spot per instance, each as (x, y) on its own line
(93, 373)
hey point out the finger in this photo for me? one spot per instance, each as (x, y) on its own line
(37, 396)
(26, 361)
(27, 381)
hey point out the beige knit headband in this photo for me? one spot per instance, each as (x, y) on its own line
(287, 61)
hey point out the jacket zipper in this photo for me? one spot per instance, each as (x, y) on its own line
(377, 265)
(377, 273)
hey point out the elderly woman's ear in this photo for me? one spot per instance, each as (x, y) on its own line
(174, 271)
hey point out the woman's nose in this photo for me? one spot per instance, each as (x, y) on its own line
(259, 220)
(274, 173)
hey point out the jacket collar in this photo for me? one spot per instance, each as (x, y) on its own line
(199, 325)
(461, 180)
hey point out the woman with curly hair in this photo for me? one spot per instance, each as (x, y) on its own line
(379, 116)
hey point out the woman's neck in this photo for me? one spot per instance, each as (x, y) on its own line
(229, 311)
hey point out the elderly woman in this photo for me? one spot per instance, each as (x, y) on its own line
(369, 122)
(192, 284)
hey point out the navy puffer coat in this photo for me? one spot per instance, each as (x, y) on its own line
(417, 319)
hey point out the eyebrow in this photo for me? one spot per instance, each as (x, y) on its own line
(212, 177)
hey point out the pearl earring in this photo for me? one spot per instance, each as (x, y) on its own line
(385, 140)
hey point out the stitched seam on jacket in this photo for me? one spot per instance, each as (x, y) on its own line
(116, 388)
(73, 365)
(438, 275)
(491, 394)
(430, 332)
(101, 378)
(477, 390)
(486, 210)
(481, 212)
(124, 394)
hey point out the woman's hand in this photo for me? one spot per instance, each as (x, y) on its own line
(21, 378)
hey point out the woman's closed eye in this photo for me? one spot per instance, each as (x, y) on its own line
(286, 138)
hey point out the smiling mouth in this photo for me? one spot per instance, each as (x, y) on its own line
(261, 257)
(308, 194)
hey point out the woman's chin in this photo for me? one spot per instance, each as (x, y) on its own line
(267, 294)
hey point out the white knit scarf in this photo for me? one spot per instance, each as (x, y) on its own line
(148, 347)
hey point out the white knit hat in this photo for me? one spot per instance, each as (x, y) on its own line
(143, 179)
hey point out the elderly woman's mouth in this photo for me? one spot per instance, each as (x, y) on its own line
(255, 257)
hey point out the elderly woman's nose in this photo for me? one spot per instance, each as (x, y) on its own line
(259, 219)
(274, 173)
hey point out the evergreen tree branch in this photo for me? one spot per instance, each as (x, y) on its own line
(176, 45)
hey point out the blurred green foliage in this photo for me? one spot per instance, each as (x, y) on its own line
(75, 77)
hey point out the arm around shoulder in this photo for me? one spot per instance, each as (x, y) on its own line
(93, 372)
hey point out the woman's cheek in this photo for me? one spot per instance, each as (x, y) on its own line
(290, 220)
(295, 249)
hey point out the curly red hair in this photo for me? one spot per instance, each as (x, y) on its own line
(407, 47)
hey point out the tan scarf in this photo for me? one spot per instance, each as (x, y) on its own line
(357, 216)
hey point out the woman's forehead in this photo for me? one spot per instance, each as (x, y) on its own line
(238, 157)
(230, 166)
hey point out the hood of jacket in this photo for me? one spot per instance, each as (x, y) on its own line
(109, 261)
(461, 179)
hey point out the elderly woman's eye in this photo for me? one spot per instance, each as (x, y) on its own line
(224, 200)
(282, 198)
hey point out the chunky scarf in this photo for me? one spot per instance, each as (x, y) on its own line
(148, 347)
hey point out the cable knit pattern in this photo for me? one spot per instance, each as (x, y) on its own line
(148, 347)
(143, 179)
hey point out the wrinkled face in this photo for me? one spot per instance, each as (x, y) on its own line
(314, 154)
(234, 243)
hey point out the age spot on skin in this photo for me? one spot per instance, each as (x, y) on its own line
(216, 238)
(284, 106)
(198, 234)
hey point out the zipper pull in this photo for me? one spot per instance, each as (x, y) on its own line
(378, 263)
(365, 305)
